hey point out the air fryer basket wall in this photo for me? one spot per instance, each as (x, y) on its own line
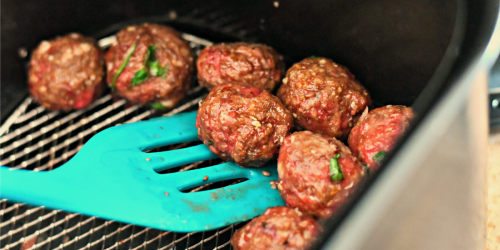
(393, 47)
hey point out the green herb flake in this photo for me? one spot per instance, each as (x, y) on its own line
(313, 57)
(379, 156)
(158, 105)
(263, 224)
(164, 73)
(149, 54)
(335, 172)
(139, 77)
(122, 67)
(210, 143)
(367, 169)
(155, 69)
(151, 68)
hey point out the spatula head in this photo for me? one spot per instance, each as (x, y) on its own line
(113, 178)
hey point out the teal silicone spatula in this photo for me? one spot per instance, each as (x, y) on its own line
(112, 177)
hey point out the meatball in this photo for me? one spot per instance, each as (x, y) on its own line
(316, 173)
(323, 96)
(277, 228)
(150, 63)
(66, 73)
(255, 64)
(377, 131)
(242, 123)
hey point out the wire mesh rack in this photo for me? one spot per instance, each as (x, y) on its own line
(36, 139)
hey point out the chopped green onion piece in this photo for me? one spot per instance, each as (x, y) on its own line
(313, 57)
(379, 156)
(151, 68)
(139, 77)
(149, 53)
(155, 69)
(335, 172)
(158, 105)
(164, 73)
(367, 169)
(263, 224)
(210, 143)
(120, 70)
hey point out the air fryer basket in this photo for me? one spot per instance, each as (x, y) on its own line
(53, 137)
(392, 47)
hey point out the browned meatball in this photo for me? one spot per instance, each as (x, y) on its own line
(323, 96)
(376, 132)
(242, 123)
(66, 73)
(277, 228)
(255, 64)
(316, 173)
(150, 63)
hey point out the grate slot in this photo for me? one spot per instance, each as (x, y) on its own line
(55, 136)
(65, 232)
(9, 209)
(31, 114)
(223, 245)
(28, 225)
(26, 128)
(41, 140)
(21, 109)
(20, 217)
(213, 236)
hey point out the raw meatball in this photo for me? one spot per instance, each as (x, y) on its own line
(376, 132)
(316, 173)
(323, 96)
(255, 64)
(242, 123)
(278, 228)
(66, 73)
(157, 63)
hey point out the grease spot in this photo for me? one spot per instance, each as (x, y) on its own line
(195, 207)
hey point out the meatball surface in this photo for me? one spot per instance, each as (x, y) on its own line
(277, 228)
(323, 96)
(66, 73)
(242, 123)
(150, 63)
(377, 132)
(255, 64)
(306, 164)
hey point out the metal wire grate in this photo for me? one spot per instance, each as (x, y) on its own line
(40, 140)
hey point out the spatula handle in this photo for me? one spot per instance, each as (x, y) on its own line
(27, 186)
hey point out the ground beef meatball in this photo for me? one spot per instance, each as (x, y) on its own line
(255, 64)
(242, 123)
(66, 73)
(150, 63)
(377, 131)
(323, 96)
(316, 173)
(278, 228)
